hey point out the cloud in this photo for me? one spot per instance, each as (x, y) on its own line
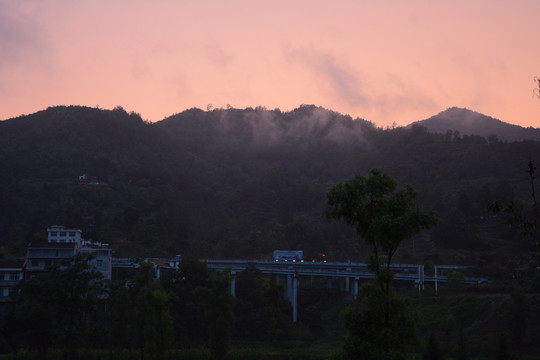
(380, 94)
(402, 95)
(20, 35)
(23, 46)
(343, 81)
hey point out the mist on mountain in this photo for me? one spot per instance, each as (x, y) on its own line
(240, 183)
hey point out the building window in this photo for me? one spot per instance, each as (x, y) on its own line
(1, 276)
(54, 233)
(100, 263)
(14, 276)
(2, 292)
(35, 262)
(72, 233)
(63, 233)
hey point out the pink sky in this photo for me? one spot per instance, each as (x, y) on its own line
(384, 61)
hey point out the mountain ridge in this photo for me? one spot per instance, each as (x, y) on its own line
(454, 119)
(469, 122)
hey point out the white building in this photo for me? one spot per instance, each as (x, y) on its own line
(60, 234)
(11, 272)
(63, 243)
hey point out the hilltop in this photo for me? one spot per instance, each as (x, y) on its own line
(468, 122)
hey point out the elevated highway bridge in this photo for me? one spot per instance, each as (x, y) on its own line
(346, 272)
(290, 272)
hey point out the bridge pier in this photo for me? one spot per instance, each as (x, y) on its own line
(420, 279)
(232, 284)
(436, 288)
(355, 287)
(294, 301)
(288, 287)
(328, 283)
(291, 293)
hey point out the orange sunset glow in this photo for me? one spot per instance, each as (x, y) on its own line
(383, 61)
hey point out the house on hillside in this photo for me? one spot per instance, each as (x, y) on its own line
(11, 273)
(60, 234)
(164, 266)
(63, 243)
(102, 260)
(39, 256)
(85, 179)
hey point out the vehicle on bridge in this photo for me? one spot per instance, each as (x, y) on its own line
(288, 255)
(320, 257)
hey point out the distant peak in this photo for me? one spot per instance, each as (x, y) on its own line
(469, 122)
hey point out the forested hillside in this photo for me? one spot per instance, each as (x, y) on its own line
(232, 183)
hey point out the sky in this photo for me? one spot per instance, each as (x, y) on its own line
(389, 62)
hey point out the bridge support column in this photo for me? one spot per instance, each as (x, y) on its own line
(355, 287)
(294, 301)
(288, 287)
(420, 279)
(436, 285)
(233, 284)
(328, 283)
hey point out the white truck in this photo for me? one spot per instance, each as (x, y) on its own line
(288, 255)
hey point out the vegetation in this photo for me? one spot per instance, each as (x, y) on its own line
(70, 307)
(384, 327)
(260, 175)
(383, 217)
(230, 183)
(475, 325)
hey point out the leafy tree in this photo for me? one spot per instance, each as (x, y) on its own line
(371, 335)
(216, 302)
(153, 321)
(527, 216)
(433, 349)
(503, 353)
(60, 307)
(517, 318)
(187, 311)
(157, 328)
(259, 307)
(120, 316)
(462, 352)
(384, 327)
(381, 215)
(34, 323)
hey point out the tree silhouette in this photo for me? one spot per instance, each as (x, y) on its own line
(381, 215)
(433, 349)
(527, 216)
(384, 327)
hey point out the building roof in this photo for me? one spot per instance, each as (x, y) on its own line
(160, 262)
(54, 245)
(12, 263)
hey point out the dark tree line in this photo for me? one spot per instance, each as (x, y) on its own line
(71, 307)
